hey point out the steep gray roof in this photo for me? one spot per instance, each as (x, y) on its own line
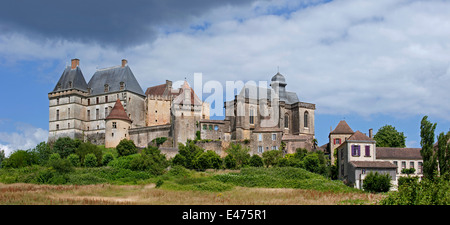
(112, 77)
(72, 77)
(254, 92)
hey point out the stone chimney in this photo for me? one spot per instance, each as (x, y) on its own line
(370, 133)
(169, 84)
(75, 63)
(124, 62)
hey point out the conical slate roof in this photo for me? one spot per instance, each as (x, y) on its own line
(342, 128)
(118, 112)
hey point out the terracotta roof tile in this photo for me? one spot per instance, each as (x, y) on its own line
(358, 136)
(342, 128)
(156, 90)
(118, 112)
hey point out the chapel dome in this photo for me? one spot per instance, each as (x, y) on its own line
(278, 78)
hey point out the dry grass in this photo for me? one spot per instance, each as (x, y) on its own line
(104, 194)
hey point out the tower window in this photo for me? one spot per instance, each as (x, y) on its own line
(252, 116)
(286, 121)
(57, 126)
(57, 114)
(306, 119)
(114, 124)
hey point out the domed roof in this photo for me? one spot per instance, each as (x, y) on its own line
(278, 78)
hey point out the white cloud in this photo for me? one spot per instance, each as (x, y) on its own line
(25, 137)
(364, 57)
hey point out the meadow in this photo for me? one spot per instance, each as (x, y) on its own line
(180, 186)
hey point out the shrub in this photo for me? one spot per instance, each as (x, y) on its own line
(179, 171)
(150, 160)
(90, 160)
(375, 182)
(65, 146)
(74, 159)
(126, 147)
(60, 165)
(159, 183)
(240, 154)
(207, 160)
(89, 148)
(20, 158)
(187, 154)
(256, 161)
(271, 157)
(108, 157)
(230, 162)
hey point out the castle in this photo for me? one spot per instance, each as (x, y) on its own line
(113, 106)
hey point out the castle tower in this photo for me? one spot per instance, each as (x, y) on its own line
(66, 110)
(117, 125)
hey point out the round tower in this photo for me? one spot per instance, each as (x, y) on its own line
(117, 125)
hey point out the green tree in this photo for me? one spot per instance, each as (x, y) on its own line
(151, 160)
(2, 157)
(186, 154)
(74, 159)
(375, 182)
(65, 146)
(126, 147)
(230, 162)
(240, 154)
(87, 148)
(90, 160)
(443, 153)
(388, 136)
(271, 157)
(427, 140)
(256, 161)
(43, 151)
(108, 157)
(207, 160)
(20, 158)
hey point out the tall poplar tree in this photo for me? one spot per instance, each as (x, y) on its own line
(427, 140)
(443, 153)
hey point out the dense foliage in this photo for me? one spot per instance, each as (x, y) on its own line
(388, 136)
(376, 182)
(126, 147)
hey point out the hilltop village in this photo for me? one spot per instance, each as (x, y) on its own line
(113, 106)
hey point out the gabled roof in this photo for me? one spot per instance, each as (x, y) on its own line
(342, 128)
(118, 112)
(113, 77)
(398, 153)
(71, 79)
(180, 99)
(358, 136)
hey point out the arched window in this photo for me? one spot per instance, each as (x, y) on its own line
(306, 119)
(252, 116)
(286, 120)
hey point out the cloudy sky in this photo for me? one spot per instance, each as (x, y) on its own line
(371, 63)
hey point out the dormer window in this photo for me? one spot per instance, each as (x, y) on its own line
(106, 87)
(89, 90)
(58, 87)
(70, 84)
(122, 86)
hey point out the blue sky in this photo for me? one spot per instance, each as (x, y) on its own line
(370, 62)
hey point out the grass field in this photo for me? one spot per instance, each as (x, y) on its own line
(107, 194)
(249, 186)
